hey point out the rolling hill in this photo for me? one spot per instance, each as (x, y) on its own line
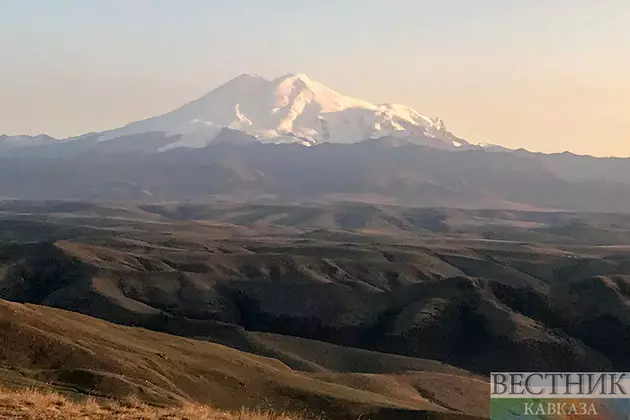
(75, 354)
(333, 309)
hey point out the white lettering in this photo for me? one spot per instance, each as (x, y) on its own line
(528, 409)
(559, 409)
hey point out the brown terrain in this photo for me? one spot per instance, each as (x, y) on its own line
(36, 405)
(328, 310)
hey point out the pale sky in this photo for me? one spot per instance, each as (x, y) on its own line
(546, 75)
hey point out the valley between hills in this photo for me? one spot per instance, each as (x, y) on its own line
(335, 310)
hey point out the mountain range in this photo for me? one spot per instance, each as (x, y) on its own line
(293, 138)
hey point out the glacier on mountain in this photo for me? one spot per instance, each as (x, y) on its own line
(292, 108)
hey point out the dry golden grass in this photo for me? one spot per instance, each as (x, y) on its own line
(36, 405)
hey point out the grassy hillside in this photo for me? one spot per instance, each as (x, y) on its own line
(37, 405)
(73, 353)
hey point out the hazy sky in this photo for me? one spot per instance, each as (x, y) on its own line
(547, 75)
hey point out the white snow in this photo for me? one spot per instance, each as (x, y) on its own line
(493, 147)
(291, 108)
(241, 118)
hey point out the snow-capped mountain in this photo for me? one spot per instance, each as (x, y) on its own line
(292, 108)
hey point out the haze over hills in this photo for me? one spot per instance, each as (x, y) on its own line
(24, 141)
(370, 171)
